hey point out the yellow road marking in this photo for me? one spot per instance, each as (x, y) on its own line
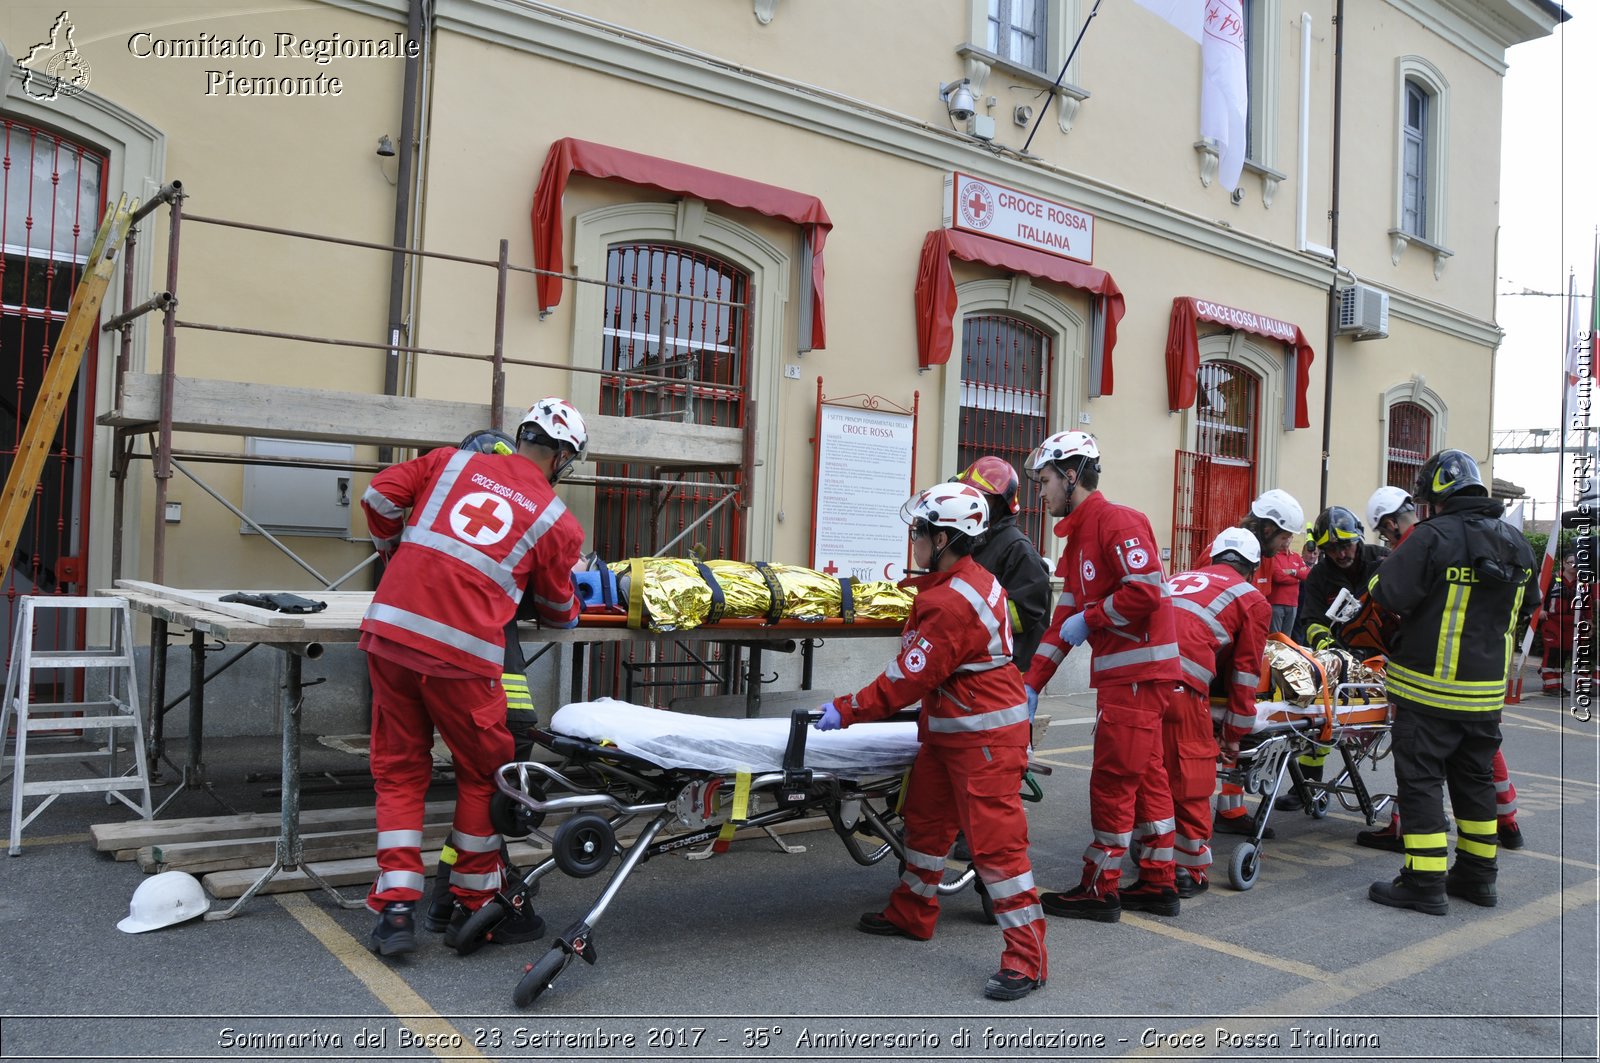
(390, 989)
(1063, 763)
(1063, 750)
(1545, 725)
(1278, 963)
(1556, 778)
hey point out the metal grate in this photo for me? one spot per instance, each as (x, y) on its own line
(690, 333)
(1006, 366)
(1410, 443)
(1213, 484)
(50, 206)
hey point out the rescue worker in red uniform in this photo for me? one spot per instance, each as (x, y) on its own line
(1222, 622)
(1274, 518)
(1115, 597)
(955, 657)
(1556, 626)
(485, 530)
(1392, 515)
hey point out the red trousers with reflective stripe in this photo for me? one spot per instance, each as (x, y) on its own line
(1128, 785)
(470, 715)
(1190, 752)
(978, 790)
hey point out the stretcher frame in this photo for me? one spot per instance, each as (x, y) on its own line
(605, 789)
(1270, 756)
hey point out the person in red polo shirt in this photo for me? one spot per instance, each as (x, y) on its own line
(1114, 596)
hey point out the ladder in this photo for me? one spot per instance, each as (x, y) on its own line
(83, 317)
(117, 710)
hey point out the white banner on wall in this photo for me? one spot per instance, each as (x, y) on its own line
(864, 468)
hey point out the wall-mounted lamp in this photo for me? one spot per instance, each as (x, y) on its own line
(957, 97)
(385, 147)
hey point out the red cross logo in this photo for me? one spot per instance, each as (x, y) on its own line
(1189, 583)
(977, 206)
(481, 518)
(831, 569)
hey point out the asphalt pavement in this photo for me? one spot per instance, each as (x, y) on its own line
(753, 954)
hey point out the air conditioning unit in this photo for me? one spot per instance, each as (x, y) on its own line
(1363, 312)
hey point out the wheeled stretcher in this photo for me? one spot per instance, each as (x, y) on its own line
(692, 781)
(1354, 720)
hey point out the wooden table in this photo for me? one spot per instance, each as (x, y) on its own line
(302, 635)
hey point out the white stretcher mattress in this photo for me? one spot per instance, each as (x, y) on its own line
(707, 743)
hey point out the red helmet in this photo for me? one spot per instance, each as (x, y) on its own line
(994, 476)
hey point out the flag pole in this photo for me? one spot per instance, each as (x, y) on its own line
(1060, 76)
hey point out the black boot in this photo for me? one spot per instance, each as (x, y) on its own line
(395, 934)
(1419, 896)
(1291, 802)
(441, 903)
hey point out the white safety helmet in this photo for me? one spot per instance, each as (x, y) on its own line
(555, 420)
(1236, 541)
(1063, 446)
(1281, 509)
(168, 898)
(1387, 502)
(954, 507)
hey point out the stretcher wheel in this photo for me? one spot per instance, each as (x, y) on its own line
(1319, 807)
(474, 933)
(1244, 867)
(540, 977)
(583, 845)
(985, 900)
(511, 817)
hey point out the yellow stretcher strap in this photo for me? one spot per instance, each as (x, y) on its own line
(636, 592)
(736, 815)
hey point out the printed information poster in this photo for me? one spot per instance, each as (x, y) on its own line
(864, 462)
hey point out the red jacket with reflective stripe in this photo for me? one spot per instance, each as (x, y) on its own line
(1222, 622)
(484, 529)
(955, 657)
(1110, 570)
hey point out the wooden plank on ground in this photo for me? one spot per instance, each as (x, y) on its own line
(199, 858)
(111, 837)
(248, 408)
(228, 884)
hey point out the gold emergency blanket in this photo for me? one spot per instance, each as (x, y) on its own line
(1296, 681)
(677, 598)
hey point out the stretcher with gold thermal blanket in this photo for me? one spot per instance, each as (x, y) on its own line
(1326, 705)
(692, 782)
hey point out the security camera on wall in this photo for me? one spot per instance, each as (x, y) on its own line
(957, 97)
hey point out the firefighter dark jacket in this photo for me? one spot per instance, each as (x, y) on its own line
(1460, 582)
(1016, 564)
(1323, 585)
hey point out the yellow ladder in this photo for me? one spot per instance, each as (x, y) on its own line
(83, 317)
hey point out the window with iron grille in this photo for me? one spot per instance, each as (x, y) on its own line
(1005, 400)
(1226, 405)
(688, 333)
(1017, 31)
(1410, 443)
(50, 206)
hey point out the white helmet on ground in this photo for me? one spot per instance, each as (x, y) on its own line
(1236, 541)
(954, 507)
(1387, 502)
(1281, 509)
(1063, 446)
(168, 898)
(555, 422)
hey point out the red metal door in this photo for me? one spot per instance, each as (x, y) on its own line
(51, 200)
(1215, 483)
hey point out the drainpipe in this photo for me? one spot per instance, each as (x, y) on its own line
(1333, 242)
(402, 215)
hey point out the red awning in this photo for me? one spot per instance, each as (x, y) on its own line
(936, 289)
(1183, 349)
(568, 156)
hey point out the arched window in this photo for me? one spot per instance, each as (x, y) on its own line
(1410, 443)
(688, 333)
(1005, 398)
